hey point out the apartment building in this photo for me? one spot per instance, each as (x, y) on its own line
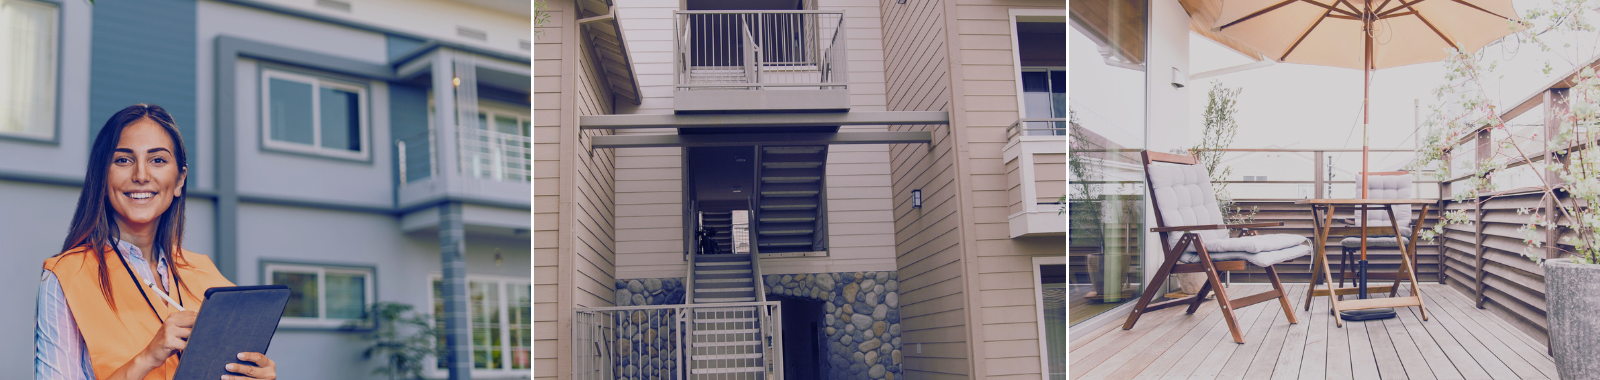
(357, 152)
(895, 169)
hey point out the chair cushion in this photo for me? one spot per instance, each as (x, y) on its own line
(1263, 259)
(1386, 187)
(1251, 244)
(1183, 197)
(1374, 241)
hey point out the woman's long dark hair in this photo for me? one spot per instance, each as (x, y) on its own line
(94, 225)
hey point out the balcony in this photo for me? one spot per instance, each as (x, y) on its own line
(731, 61)
(1035, 156)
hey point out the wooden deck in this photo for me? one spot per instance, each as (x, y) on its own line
(1459, 341)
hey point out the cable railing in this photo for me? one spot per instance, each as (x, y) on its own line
(416, 159)
(1257, 173)
(1049, 126)
(759, 49)
(496, 155)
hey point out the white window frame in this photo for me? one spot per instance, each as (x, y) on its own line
(1028, 15)
(53, 79)
(322, 320)
(1038, 308)
(505, 282)
(364, 123)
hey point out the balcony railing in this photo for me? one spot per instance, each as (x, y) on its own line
(653, 342)
(759, 49)
(496, 155)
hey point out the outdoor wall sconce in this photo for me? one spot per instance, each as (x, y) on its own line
(1178, 80)
(916, 198)
(902, 1)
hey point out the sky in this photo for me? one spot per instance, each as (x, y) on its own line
(1317, 107)
(1313, 107)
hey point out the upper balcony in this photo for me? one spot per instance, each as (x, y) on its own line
(1035, 156)
(731, 61)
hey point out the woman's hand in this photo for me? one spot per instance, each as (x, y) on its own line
(170, 339)
(264, 369)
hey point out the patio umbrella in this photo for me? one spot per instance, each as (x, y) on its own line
(1366, 35)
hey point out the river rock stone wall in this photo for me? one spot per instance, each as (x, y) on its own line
(647, 349)
(862, 318)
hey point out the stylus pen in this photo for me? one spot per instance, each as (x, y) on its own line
(163, 295)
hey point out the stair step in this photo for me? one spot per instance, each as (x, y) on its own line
(724, 300)
(791, 189)
(786, 240)
(802, 149)
(711, 371)
(720, 280)
(768, 229)
(726, 271)
(699, 263)
(712, 290)
(787, 217)
(723, 257)
(789, 204)
(725, 356)
(733, 309)
(721, 332)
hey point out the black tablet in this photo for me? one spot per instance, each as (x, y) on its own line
(232, 320)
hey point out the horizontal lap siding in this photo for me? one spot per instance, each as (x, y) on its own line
(649, 181)
(594, 227)
(1006, 291)
(927, 240)
(547, 314)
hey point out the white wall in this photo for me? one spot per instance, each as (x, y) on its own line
(433, 18)
(1166, 108)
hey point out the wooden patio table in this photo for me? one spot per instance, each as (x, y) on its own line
(1322, 211)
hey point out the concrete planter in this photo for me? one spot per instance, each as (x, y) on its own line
(1574, 311)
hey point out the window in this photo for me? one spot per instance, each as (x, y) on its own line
(1050, 289)
(28, 69)
(500, 316)
(1040, 37)
(323, 296)
(1044, 95)
(314, 115)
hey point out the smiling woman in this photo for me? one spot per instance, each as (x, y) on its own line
(132, 209)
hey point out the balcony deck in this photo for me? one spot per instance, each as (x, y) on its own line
(1459, 341)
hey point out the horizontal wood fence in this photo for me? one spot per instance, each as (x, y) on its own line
(1487, 261)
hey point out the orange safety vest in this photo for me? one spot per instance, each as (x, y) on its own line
(115, 336)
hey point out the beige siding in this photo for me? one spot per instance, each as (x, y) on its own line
(928, 241)
(594, 227)
(1008, 322)
(649, 183)
(1014, 187)
(547, 311)
(1049, 177)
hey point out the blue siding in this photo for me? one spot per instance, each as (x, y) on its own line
(408, 122)
(400, 45)
(144, 52)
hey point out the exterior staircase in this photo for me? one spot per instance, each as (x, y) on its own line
(726, 342)
(722, 223)
(787, 208)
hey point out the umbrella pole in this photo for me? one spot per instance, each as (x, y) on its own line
(1366, 101)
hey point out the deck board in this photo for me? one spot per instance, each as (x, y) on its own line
(1458, 341)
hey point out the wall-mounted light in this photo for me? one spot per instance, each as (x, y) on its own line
(738, 189)
(916, 198)
(1178, 79)
(902, 1)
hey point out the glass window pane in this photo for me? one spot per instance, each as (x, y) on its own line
(302, 293)
(289, 104)
(504, 124)
(1054, 288)
(27, 100)
(1106, 131)
(347, 295)
(341, 119)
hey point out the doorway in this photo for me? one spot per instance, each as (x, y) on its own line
(803, 338)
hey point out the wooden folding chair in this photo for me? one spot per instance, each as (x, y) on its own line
(1187, 211)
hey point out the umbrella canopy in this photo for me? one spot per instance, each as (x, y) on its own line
(1329, 32)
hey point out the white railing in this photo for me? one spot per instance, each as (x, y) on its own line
(496, 155)
(759, 49)
(628, 341)
(412, 150)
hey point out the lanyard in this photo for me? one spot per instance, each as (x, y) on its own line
(137, 285)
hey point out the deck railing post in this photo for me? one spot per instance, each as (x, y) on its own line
(1555, 105)
(1317, 183)
(1483, 153)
